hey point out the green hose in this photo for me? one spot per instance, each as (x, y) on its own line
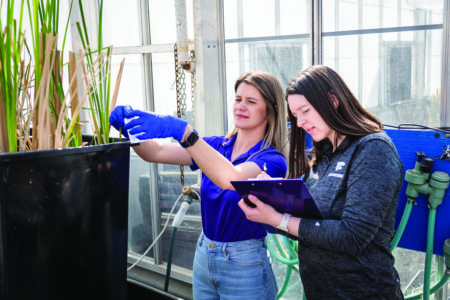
(285, 259)
(287, 279)
(289, 258)
(169, 260)
(433, 290)
(288, 244)
(402, 225)
(429, 253)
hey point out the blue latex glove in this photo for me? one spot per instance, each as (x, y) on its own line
(117, 118)
(150, 125)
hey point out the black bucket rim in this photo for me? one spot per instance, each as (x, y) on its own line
(8, 156)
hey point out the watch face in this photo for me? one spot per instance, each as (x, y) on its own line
(192, 138)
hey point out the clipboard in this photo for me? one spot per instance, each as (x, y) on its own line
(285, 195)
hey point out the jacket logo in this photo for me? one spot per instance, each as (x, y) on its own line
(339, 165)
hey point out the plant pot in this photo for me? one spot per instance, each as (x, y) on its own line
(64, 218)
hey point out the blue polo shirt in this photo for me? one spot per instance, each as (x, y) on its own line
(222, 219)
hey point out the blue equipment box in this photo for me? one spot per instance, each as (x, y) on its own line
(431, 143)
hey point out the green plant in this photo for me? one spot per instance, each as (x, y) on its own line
(32, 94)
(100, 99)
(11, 43)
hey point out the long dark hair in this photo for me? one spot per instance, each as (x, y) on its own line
(349, 118)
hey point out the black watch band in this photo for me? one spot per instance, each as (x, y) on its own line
(291, 236)
(190, 140)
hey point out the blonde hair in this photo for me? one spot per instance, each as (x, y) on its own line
(273, 94)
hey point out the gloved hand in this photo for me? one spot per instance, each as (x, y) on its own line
(150, 125)
(117, 118)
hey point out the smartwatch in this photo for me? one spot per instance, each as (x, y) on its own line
(190, 140)
(283, 227)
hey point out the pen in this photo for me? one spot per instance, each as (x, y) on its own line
(265, 168)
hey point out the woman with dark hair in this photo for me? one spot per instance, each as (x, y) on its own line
(355, 175)
(231, 260)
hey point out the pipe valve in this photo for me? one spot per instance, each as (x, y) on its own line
(192, 191)
(439, 183)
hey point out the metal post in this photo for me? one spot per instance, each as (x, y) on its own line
(210, 67)
(148, 85)
(222, 62)
(317, 32)
(445, 95)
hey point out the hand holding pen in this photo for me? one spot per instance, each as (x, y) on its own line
(263, 174)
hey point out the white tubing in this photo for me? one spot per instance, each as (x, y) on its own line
(180, 214)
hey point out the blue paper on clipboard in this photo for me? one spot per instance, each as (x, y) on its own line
(285, 195)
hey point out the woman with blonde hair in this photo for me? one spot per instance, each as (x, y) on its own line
(231, 260)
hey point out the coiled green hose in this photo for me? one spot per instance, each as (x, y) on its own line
(289, 257)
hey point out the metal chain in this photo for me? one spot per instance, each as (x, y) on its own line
(193, 84)
(180, 86)
(182, 92)
(181, 97)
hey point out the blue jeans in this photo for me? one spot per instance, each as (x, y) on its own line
(235, 270)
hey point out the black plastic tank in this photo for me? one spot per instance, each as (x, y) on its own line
(63, 223)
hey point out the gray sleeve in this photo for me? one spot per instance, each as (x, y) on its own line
(374, 180)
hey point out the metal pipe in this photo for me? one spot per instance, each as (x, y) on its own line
(182, 40)
(222, 61)
(445, 95)
(153, 182)
(317, 32)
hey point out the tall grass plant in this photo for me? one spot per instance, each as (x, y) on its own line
(37, 112)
